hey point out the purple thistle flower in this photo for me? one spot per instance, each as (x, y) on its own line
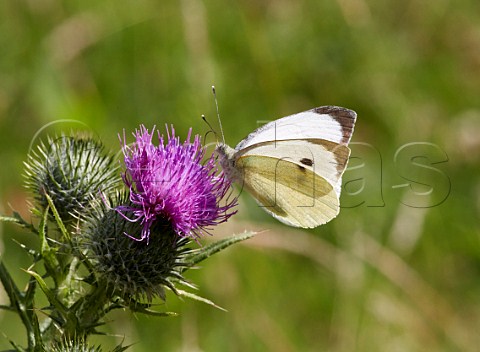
(170, 182)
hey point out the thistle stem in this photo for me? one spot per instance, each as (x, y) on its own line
(19, 304)
(93, 308)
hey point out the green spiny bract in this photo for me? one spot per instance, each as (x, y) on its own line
(77, 346)
(131, 269)
(80, 345)
(71, 170)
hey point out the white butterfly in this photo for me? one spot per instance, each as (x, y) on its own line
(293, 166)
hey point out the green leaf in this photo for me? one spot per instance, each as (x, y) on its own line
(17, 219)
(16, 347)
(144, 308)
(10, 308)
(9, 219)
(121, 348)
(48, 253)
(215, 247)
(29, 297)
(195, 297)
(58, 219)
(62, 309)
(36, 328)
(36, 255)
(30, 292)
(154, 313)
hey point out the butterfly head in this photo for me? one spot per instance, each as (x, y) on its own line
(226, 158)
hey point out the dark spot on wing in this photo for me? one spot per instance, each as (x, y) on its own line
(306, 161)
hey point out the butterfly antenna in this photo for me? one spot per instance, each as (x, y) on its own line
(210, 126)
(218, 113)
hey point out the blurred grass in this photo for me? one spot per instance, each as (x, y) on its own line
(378, 278)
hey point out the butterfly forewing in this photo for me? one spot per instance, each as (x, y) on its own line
(325, 158)
(331, 123)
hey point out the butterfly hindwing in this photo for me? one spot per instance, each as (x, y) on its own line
(328, 159)
(291, 193)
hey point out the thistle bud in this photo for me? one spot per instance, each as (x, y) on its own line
(132, 269)
(70, 170)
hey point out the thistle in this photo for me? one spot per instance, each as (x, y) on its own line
(169, 183)
(70, 170)
(139, 246)
(133, 270)
(129, 245)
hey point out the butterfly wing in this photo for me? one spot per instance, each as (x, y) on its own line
(293, 194)
(330, 123)
(293, 166)
(325, 158)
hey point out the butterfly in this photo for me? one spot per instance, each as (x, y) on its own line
(293, 166)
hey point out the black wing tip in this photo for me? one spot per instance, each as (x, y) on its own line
(336, 110)
(345, 117)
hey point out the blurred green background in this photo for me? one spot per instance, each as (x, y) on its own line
(383, 276)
